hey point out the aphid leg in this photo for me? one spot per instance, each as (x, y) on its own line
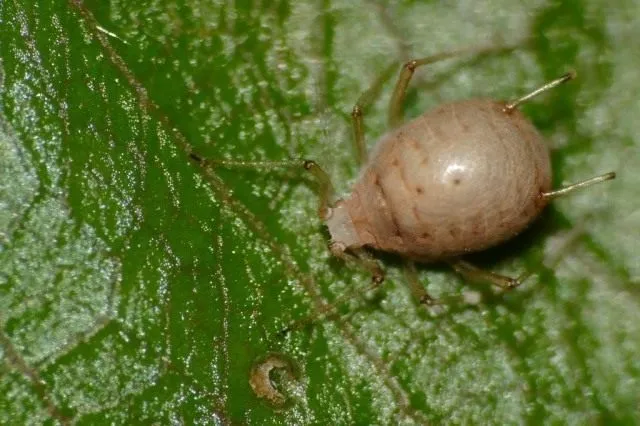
(548, 86)
(364, 259)
(360, 257)
(583, 184)
(325, 188)
(473, 273)
(409, 68)
(417, 290)
(362, 104)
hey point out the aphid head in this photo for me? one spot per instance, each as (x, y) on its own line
(343, 232)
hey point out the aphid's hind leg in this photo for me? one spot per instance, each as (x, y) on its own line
(364, 101)
(473, 273)
(325, 188)
(408, 69)
(417, 290)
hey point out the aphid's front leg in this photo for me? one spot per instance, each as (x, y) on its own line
(363, 259)
(473, 273)
(325, 188)
(417, 290)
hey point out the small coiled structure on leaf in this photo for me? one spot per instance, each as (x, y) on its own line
(461, 178)
(263, 381)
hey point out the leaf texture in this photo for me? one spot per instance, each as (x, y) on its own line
(139, 285)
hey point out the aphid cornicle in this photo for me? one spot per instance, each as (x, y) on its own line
(461, 178)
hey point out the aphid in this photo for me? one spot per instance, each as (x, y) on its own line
(461, 178)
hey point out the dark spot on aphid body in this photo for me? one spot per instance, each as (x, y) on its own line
(492, 126)
(476, 227)
(527, 212)
(454, 232)
(456, 181)
(419, 190)
(395, 162)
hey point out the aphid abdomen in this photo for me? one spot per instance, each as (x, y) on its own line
(461, 178)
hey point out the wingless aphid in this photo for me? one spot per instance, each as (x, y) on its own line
(463, 177)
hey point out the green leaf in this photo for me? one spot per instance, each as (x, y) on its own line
(138, 285)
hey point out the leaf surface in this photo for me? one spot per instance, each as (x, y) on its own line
(139, 285)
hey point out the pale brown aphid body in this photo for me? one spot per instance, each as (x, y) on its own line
(461, 178)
